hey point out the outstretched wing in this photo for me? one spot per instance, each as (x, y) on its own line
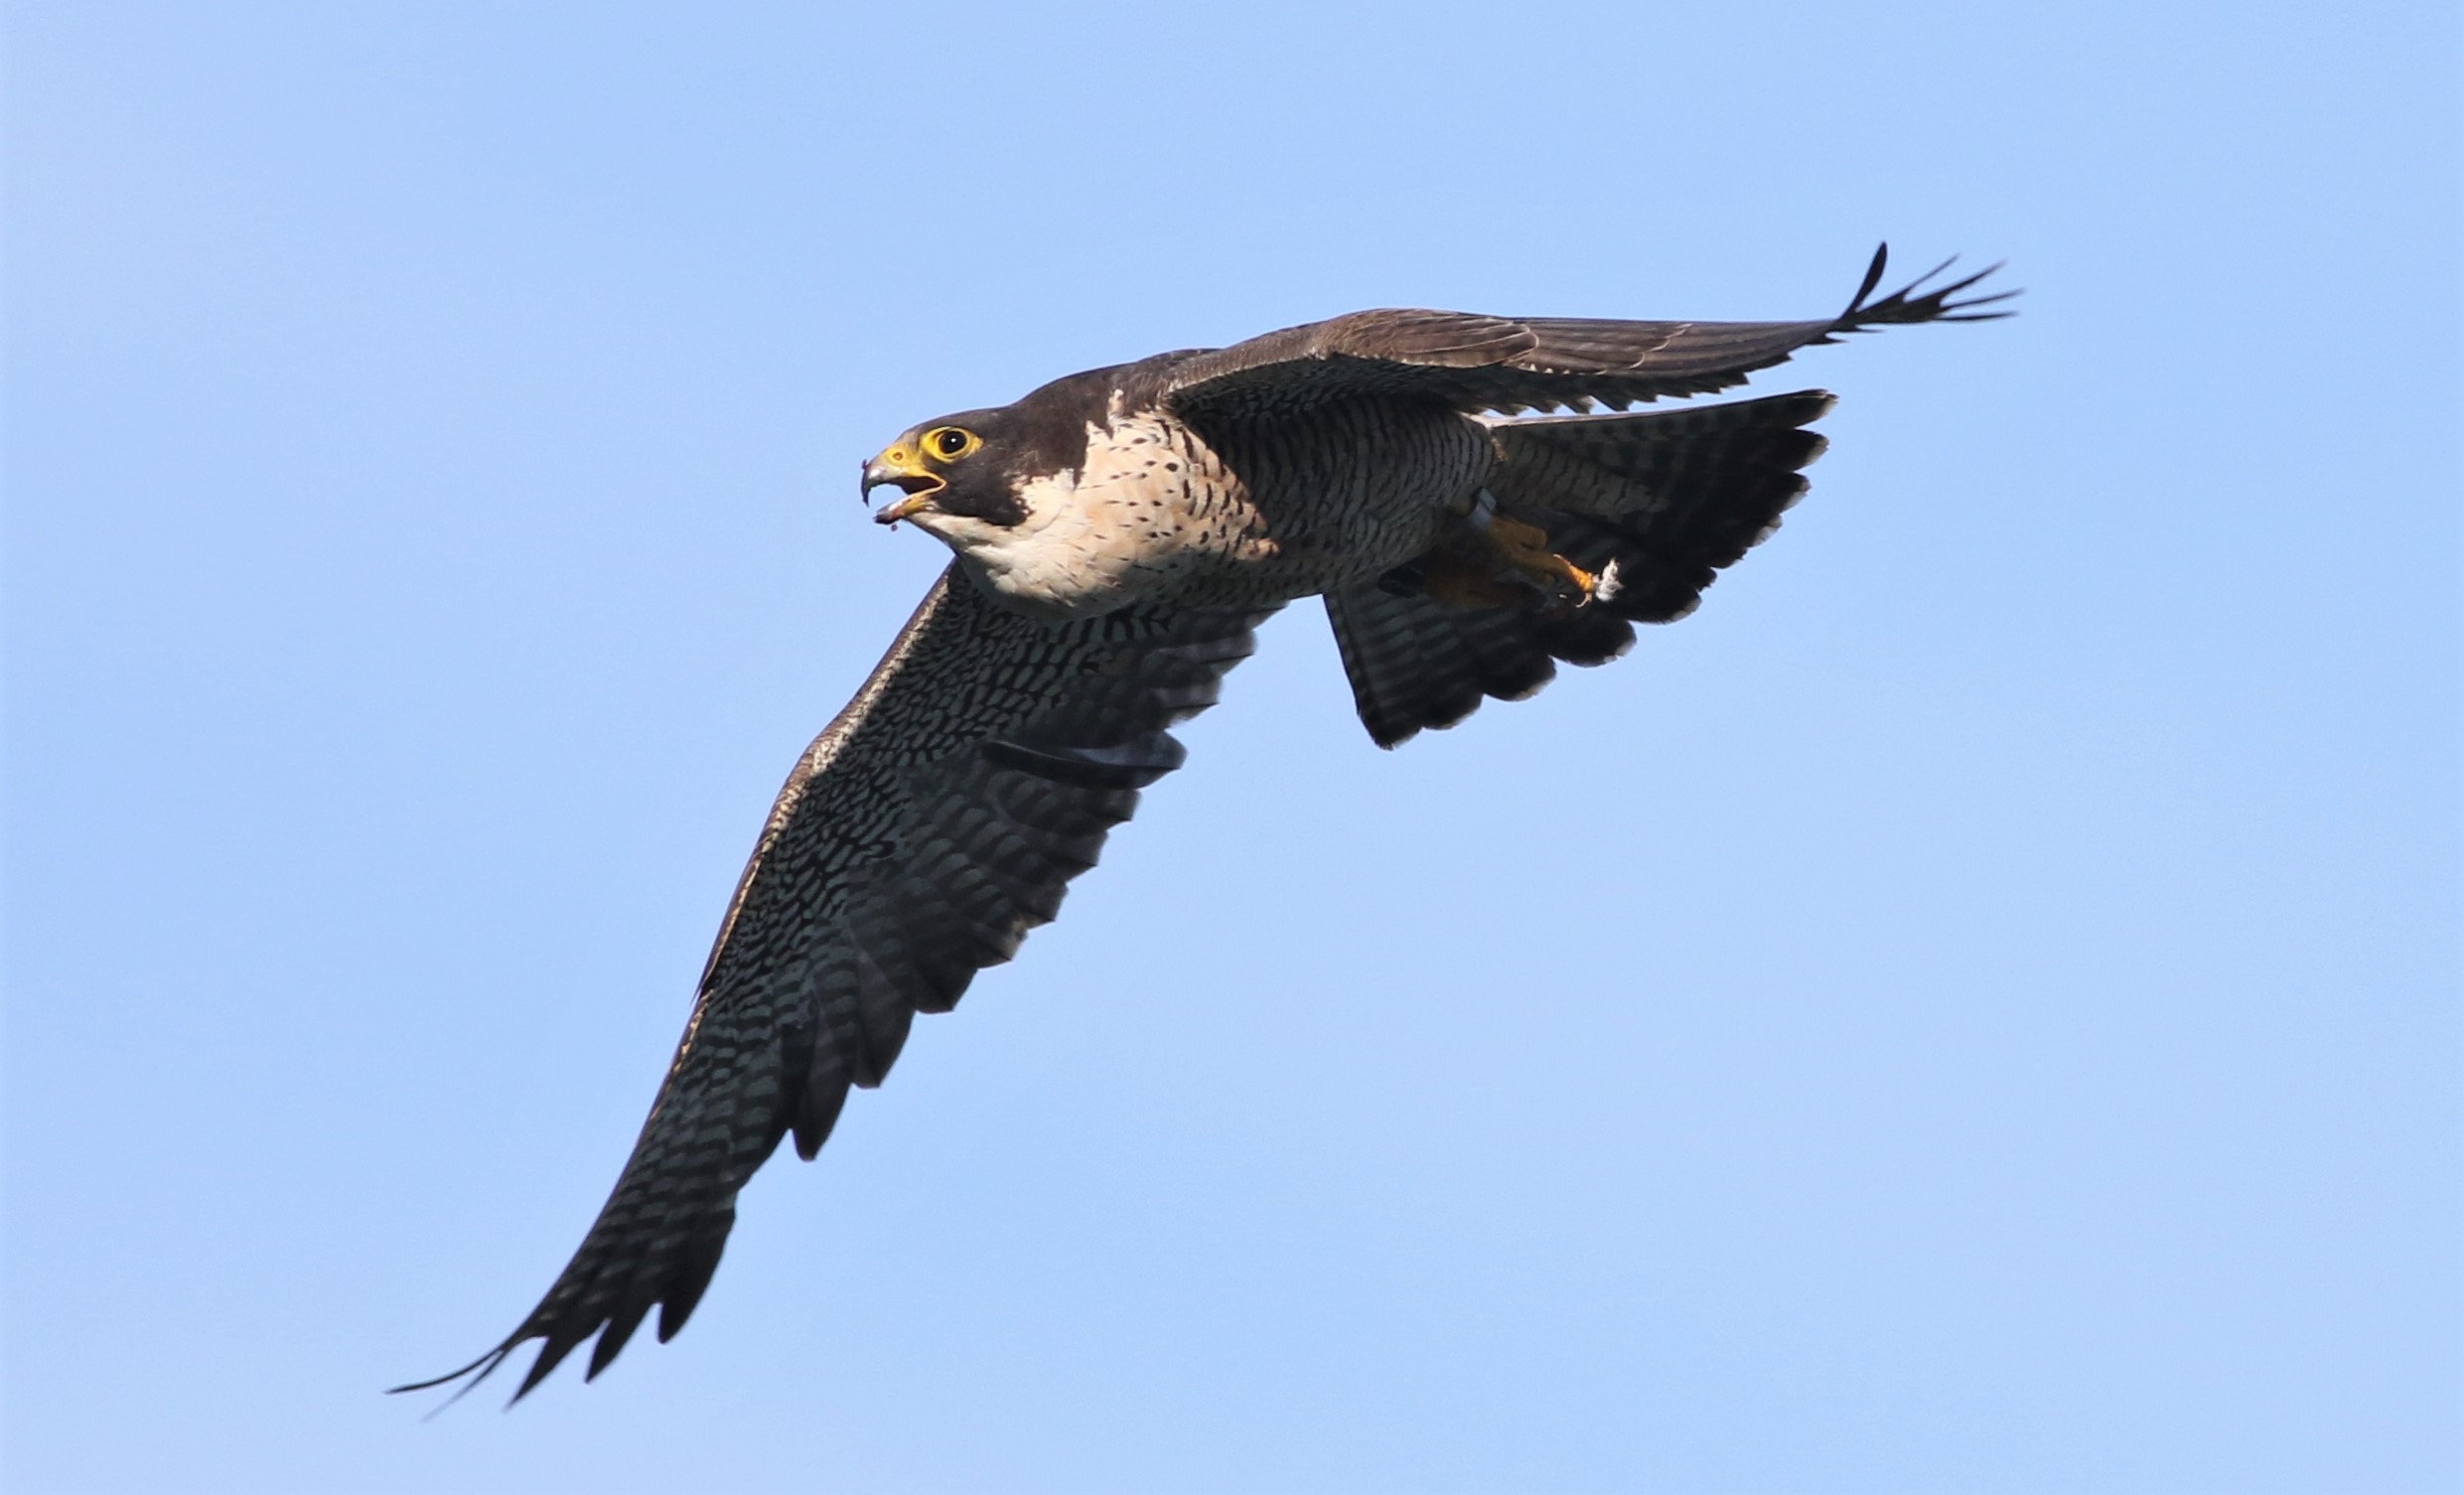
(920, 838)
(1513, 364)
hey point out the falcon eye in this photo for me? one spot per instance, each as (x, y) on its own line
(950, 442)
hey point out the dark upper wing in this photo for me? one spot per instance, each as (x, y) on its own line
(919, 839)
(1511, 365)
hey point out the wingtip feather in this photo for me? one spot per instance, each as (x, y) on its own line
(470, 1376)
(1873, 277)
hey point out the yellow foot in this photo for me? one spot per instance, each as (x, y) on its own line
(1525, 548)
(1499, 564)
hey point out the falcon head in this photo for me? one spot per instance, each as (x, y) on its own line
(960, 467)
(970, 475)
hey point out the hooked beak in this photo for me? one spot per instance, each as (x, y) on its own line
(899, 468)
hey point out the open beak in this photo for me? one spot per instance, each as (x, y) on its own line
(898, 468)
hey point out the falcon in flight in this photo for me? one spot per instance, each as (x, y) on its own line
(1118, 533)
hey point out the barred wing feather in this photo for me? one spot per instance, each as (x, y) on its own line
(923, 833)
(1508, 365)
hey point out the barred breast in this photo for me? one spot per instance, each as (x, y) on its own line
(1346, 492)
(1256, 519)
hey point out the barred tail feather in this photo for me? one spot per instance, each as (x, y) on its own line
(1654, 505)
(1417, 663)
(1659, 503)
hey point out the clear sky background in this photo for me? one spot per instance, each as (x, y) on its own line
(1974, 1009)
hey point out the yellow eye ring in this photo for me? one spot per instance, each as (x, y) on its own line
(949, 444)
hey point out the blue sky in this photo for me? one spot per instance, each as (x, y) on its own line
(1972, 1009)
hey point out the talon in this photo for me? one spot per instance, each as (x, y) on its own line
(1524, 548)
(1495, 561)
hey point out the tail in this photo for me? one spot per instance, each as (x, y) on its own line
(1659, 504)
(1656, 505)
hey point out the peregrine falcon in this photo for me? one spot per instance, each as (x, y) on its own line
(1117, 535)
